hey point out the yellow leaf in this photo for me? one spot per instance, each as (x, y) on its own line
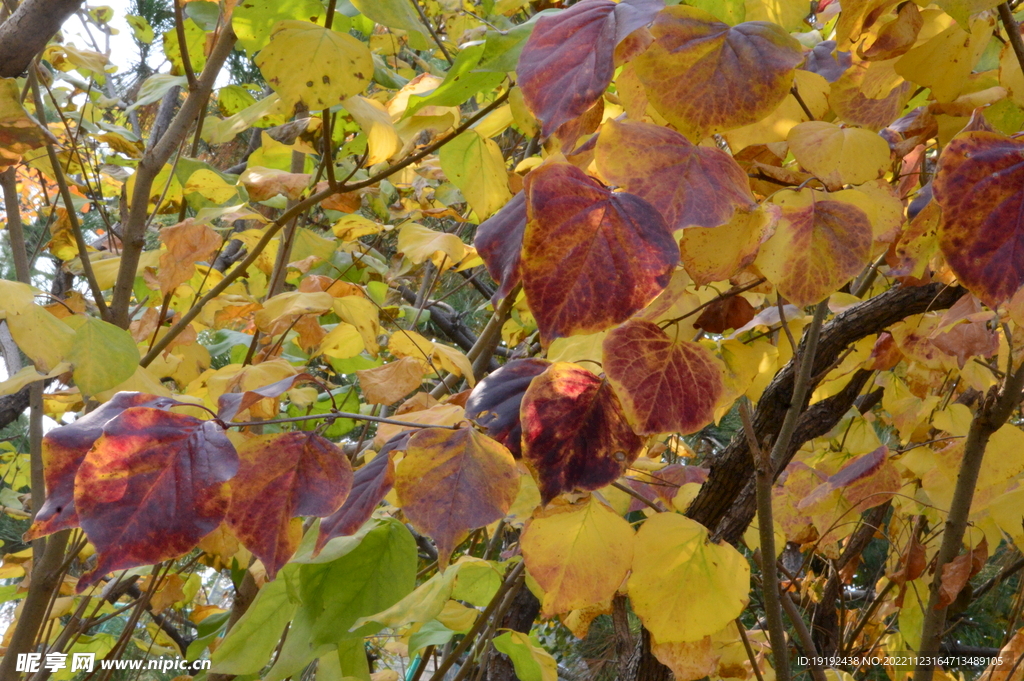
(342, 342)
(717, 253)
(29, 375)
(314, 65)
(434, 355)
(291, 304)
(839, 155)
(689, 660)
(944, 62)
(45, 339)
(361, 313)
(578, 553)
(351, 227)
(420, 243)
(457, 616)
(424, 604)
(475, 165)
(683, 587)
(776, 126)
(382, 139)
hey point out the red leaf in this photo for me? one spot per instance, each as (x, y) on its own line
(688, 184)
(499, 241)
(591, 257)
(666, 385)
(65, 448)
(979, 184)
(282, 477)
(230, 404)
(370, 485)
(569, 59)
(494, 403)
(575, 434)
(151, 487)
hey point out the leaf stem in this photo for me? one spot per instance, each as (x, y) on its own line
(186, 61)
(433, 33)
(333, 416)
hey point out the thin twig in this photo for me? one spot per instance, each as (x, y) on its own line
(1013, 31)
(186, 61)
(433, 33)
(336, 415)
(273, 228)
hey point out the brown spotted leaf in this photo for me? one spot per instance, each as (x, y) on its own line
(575, 433)
(282, 477)
(821, 242)
(152, 486)
(499, 241)
(591, 257)
(690, 185)
(494, 403)
(569, 59)
(979, 184)
(705, 76)
(666, 385)
(454, 481)
(65, 448)
(370, 485)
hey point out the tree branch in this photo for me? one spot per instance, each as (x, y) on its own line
(28, 29)
(133, 232)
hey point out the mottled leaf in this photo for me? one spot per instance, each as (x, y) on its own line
(499, 241)
(282, 477)
(705, 76)
(575, 433)
(151, 487)
(683, 587)
(494, 403)
(64, 449)
(979, 185)
(729, 313)
(690, 185)
(591, 257)
(821, 242)
(578, 553)
(187, 243)
(666, 385)
(453, 481)
(568, 61)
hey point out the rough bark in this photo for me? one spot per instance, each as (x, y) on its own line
(26, 32)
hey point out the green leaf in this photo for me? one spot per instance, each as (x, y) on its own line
(378, 573)
(195, 43)
(475, 165)
(461, 82)
(252, 640)
(140, 28)
(531, 662)
(103, 356)
(430, 634)
(391, 13)
(254, 19)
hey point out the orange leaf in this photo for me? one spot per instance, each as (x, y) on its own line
(454, 481)
(391, 382)
(689, 185)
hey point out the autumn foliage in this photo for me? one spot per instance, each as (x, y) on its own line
(368, 338)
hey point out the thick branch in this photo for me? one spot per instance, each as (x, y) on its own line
(994, 412)
(26, 32)
(134, 230)
(731, 472)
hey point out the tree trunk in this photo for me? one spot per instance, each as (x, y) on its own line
(26, 32)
